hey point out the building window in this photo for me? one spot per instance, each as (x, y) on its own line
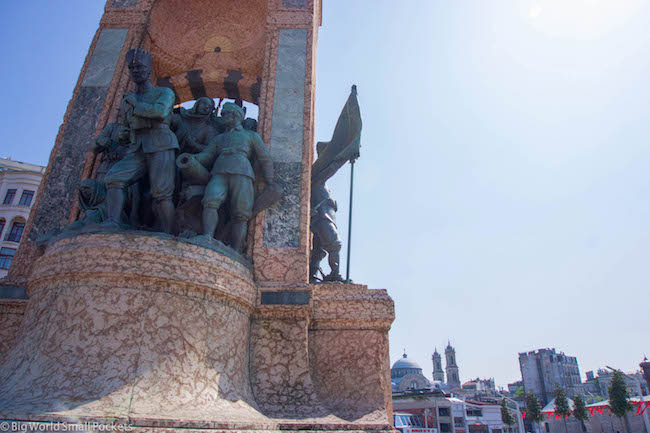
(6, 256)
(2, 226)
(474, 412)
(26, 198)
(443, 411)
(459, 422)
(445, 427)
(9, 198)
(16, 232)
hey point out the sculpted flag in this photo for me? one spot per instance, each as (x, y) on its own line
(344, 145)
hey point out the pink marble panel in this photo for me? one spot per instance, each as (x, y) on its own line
(280, 372)
(11, 316)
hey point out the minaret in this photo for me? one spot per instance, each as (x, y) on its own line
(438, 374)
(453, 379)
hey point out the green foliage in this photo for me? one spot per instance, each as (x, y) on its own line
(533, 408)
(619, 400)
(579, 410)
(561, 402)
(520, 392)
(506, 416)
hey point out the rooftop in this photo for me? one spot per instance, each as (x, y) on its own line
(404, 362)
(8, 164)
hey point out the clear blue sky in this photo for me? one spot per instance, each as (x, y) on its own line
(502, 195)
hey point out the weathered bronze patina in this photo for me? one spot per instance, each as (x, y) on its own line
(228, 161)
(152, 148)
(195, 127)
(332, 155)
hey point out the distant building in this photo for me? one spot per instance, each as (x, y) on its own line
(19, 183)
(480, 386)
(514, 386)
(544, 369)
(406, 374)
(599, 419)
(452, 415)
(438, 373)
(597, 385)
(453, 378)
(444, 413)
(485, 417)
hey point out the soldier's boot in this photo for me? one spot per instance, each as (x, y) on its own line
(114, 207)
(317, 254)
(239, 231)
(210, 219)
(166, 213)
(334, 259)
(313, 274)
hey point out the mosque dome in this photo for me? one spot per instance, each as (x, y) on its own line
(404, 366)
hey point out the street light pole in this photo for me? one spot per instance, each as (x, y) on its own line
(426, 412)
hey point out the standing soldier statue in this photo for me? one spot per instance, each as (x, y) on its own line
(152, 148)
(228, 159)
(332, 155)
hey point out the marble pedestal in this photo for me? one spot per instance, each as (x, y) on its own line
(154, 333)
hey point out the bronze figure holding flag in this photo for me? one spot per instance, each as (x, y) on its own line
(332, 155)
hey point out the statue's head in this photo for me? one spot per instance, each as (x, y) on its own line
(250, 124)
(232, 114)
(203, 106)
(139, 62)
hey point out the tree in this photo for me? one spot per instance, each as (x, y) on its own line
(579, 410)
(520, 393)
(619, 400)
(506, 416)
(533, 409)
(562, 405)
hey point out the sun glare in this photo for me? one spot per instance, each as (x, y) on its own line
(579, 19)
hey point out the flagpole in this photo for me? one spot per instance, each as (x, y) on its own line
(347, 271)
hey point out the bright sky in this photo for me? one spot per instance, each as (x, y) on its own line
(502, 195)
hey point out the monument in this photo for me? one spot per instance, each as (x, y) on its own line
(167, 260)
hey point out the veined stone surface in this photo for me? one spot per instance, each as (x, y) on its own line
(64, 170)
(121, 325)
(11, 316)
(156, 333)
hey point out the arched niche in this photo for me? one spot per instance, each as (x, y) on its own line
(211, 48)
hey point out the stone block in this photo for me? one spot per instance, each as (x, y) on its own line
(104, 59)
(297, 4)
(124, 3)
(282, 221)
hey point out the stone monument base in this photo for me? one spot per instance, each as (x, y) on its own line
(156, 334)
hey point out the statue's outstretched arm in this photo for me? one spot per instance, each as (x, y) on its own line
(322, 176)
(209, 154)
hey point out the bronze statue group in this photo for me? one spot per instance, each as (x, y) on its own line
(195, 174)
